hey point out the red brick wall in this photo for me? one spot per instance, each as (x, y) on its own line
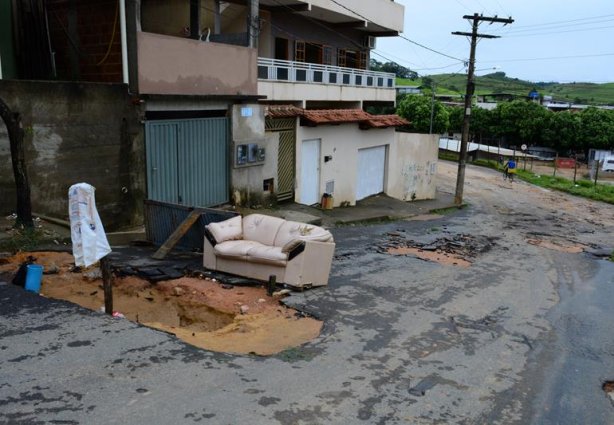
(94, 22)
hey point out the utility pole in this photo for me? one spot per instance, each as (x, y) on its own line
(432, 106)
(462, 159)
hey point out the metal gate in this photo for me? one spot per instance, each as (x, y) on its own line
(187, 161)
(286, 165)
(286, 156)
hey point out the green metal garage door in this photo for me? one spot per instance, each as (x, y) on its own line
(187, 161)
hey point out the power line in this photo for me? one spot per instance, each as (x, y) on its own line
(429, 49)
(554, 27)
(401, 36)
(550, 58)
(564, 22)
(559, 32)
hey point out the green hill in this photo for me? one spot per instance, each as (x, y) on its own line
(498, 82)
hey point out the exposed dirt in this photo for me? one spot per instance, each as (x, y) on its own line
(557, 245)
(199, 311)
(454, 250)
(436, 256)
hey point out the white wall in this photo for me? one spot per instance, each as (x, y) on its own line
(247, 180)
(382, 12)
(288, 91)
(412, 172)
(342, 142)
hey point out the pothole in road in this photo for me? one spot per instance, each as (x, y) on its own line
(201, 312)
(457, 250)
(437, 256)
(608, 388)
(555, 245)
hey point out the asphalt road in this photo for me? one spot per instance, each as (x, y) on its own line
(521, 336)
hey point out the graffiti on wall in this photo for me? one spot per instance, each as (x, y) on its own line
(417, 179)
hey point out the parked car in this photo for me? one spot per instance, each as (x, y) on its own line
(608, 164)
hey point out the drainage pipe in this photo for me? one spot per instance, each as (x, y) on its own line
(124, 42)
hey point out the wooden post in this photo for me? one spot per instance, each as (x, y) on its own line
(107, 284)
(271, 285)
(575, 168)
(556, 159)
(596, 172)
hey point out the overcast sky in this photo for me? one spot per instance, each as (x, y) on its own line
(550, 40)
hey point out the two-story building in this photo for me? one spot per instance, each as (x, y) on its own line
(199, 102)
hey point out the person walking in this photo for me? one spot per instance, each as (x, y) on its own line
(509, 169)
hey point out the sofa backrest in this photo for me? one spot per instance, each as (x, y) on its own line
(261, 228)
(292, 230)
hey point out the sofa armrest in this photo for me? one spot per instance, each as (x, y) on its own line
(210, 237)
(296, 250)
(312, 266)
(209, 259)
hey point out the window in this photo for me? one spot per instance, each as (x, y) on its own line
(362, 61)
(299, 51)
(341, 57)
(327, 55)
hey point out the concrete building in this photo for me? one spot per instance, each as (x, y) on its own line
(166, 100)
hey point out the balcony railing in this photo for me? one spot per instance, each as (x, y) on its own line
(309, 73)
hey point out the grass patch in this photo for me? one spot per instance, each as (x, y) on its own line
(583, 188)
(448, 156)
(490, 163)
(448, 210)
(26, 239)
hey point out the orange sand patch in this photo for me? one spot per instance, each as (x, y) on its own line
(435, 256)
(557, 246)
(198, 311)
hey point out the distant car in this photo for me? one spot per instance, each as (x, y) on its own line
(608, 164)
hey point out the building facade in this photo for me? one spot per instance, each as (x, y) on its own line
(168, 99)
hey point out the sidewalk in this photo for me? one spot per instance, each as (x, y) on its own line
(374, 208)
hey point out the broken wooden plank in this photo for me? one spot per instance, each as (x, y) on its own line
(181, 230)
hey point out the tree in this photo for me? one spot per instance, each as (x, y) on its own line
(394, 68)
(456, 115)
(12, 120)
(597, 128)
(481, 124)
(520, 121)
(562, 131)
(417, 110)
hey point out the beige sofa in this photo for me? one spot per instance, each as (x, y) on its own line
(258, 246)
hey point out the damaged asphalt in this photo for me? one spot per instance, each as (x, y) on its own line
(521, 336)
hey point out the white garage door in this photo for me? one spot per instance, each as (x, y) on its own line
(310, 172)
(371, 171)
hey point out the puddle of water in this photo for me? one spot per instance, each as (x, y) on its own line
(198, 311)
(435, 256)
(557, 246)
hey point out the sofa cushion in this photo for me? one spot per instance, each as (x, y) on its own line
(227, 230)
(261, 228)
(234, 248)
(291, 230)
(267, 254)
